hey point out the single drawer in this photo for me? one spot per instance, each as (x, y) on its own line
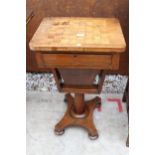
(82, 61)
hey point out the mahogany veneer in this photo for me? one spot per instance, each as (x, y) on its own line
(78, 50)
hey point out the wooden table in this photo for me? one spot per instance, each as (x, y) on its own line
(78, 50)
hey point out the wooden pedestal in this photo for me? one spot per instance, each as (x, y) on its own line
(79, 113)
(78, 50)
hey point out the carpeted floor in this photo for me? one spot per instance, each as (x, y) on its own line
(45, 109)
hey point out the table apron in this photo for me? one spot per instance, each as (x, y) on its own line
(78, 61)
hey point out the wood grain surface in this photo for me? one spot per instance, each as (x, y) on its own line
(79, 34)
(76, 61)
(79, 8)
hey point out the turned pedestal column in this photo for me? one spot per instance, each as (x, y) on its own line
(79, 105)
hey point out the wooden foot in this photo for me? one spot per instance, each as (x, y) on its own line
(85, 119)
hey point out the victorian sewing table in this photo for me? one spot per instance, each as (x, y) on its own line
(77, 50)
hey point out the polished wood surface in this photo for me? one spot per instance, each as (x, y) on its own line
(79, 107)
(84, 82)
(91, 61)
(79, 34)
(73, 118)
(79, 8)
(80, 77)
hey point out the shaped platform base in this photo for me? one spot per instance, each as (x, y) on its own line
(85, 119)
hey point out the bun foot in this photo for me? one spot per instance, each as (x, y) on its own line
(72, 118)
(93, 137)
(59, 132)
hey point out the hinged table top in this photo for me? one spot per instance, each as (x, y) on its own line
(78, 34)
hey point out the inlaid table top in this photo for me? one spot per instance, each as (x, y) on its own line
(78, 34)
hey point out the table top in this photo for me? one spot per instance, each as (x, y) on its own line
(78, 34)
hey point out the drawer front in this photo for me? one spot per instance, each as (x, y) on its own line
(81, 61)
